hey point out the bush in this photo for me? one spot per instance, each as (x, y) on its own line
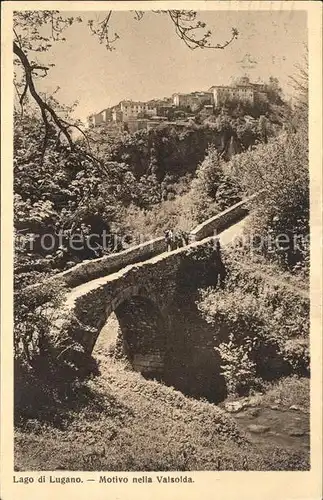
(237, 368)
(296, 352)
(176, 214)
(258, 321)
(291, 390)
(44, 360)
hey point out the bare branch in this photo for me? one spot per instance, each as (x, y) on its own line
(43, 106)
(187, 28)
(139, 14)
(102, 31)
(186, 25)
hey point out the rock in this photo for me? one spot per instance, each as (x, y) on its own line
(274, 407)
(234, 407)
(240, 415)
(254, 412)
(254, 400)
(257, 429)
(295, 407)
(244, 401)
(296, 432)
(70, 264)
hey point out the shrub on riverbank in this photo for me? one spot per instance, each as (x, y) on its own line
(264, 320)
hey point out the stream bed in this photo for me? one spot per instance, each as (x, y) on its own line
(283, 426)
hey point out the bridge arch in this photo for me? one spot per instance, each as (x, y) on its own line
(142, 329)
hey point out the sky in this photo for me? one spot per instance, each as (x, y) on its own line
(150, 61)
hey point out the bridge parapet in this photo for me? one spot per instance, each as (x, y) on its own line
(220, 222)
(96, 268)
(91, 269)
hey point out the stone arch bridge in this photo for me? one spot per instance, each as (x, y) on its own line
(148, 296)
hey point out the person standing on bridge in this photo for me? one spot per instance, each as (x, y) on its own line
(169, 239)
(176, 239)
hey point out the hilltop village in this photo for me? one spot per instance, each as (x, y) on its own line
(136, 115)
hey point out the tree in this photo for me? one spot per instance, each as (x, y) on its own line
(209, 174)
(274, 91)
(214, 188)
(281, 221)
(263, 128)
(299, 83)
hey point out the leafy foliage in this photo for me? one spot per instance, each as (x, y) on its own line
(237, 368)
(263, 323)
(59, 190)
(281, 220)
(213, 189)
(33, 322)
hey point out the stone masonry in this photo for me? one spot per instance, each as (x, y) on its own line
(144, 296)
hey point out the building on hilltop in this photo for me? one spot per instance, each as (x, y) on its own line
(102, 117)
(223, 93)
(193, 100)
(135, 124)
(135, 109)
(242, 90)
(163, 106)
(128, 111)
(123, 112)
